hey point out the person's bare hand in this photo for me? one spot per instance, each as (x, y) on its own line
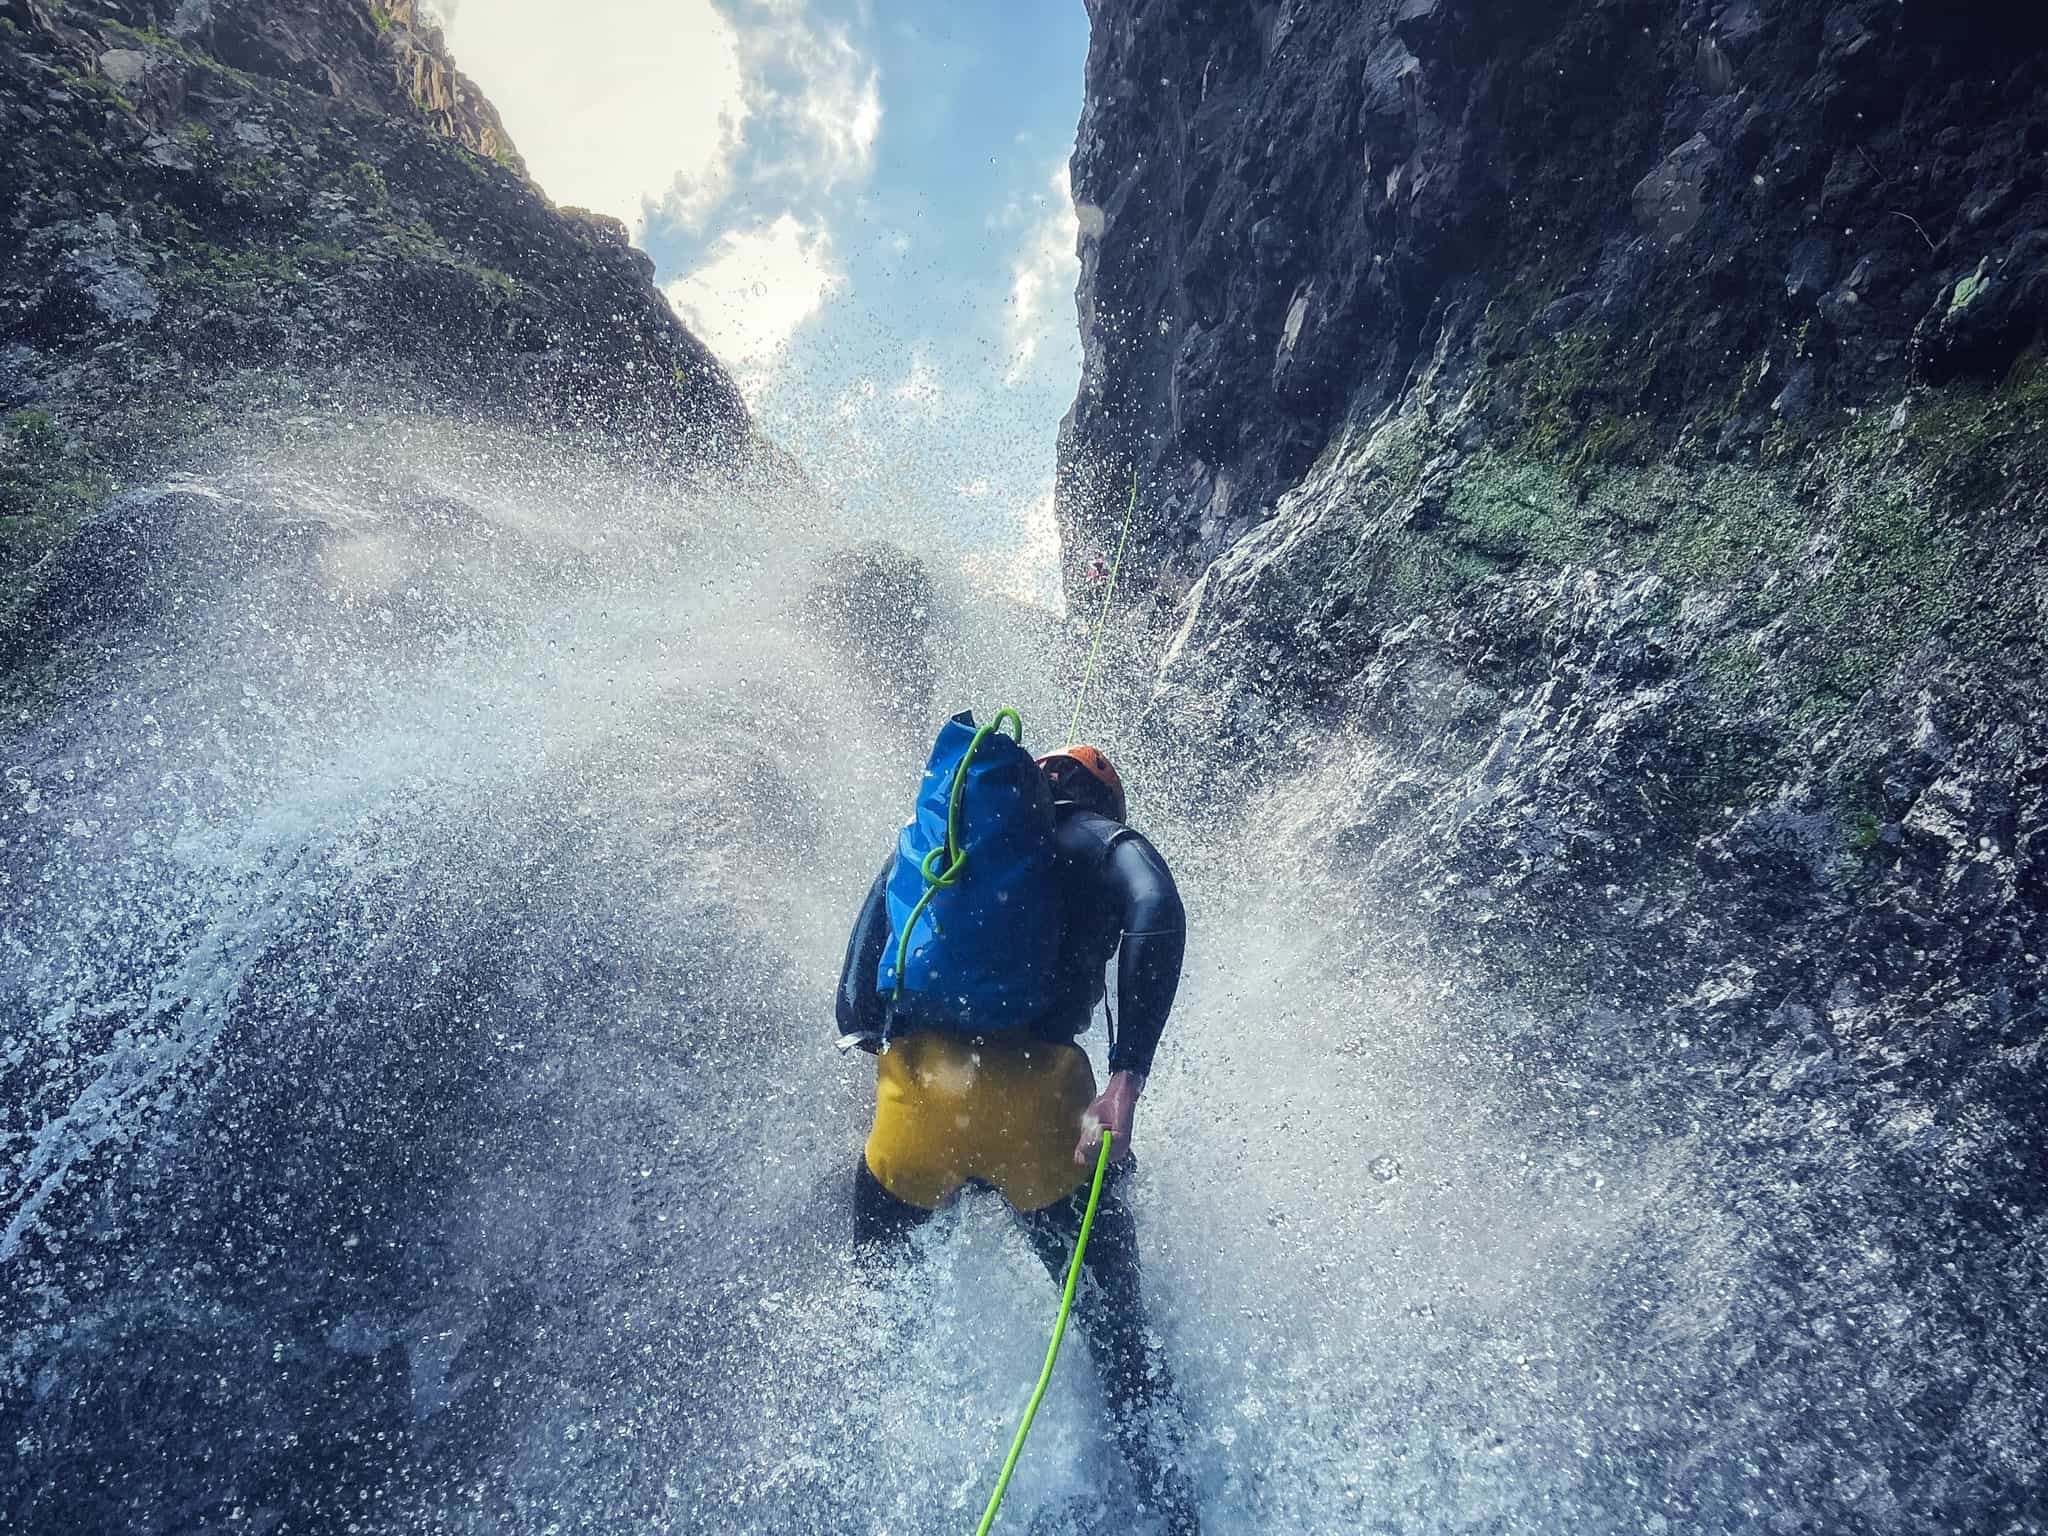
(1113, 1110)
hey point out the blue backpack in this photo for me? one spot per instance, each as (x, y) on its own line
(974, 930)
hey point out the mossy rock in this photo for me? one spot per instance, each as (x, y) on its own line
(48, 482)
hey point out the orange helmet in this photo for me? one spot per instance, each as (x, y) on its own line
(1093, 762)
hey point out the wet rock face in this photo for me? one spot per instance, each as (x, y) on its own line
(1290, 212)
(1604, 421)
(872, 605)
(222, 207)
(1591, 465)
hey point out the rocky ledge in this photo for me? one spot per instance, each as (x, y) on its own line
(213, 208)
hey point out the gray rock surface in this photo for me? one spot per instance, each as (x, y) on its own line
(212, 212)
(1591, 464)
(1293, 212)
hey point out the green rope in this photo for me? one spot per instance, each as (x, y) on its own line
(955, 855)
(1052, 1351)
(1087, 672)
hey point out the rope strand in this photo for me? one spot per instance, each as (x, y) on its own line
(1088, 672)
(1052, 1352)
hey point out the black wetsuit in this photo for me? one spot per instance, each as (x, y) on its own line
(1116, 897)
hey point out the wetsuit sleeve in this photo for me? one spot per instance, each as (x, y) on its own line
(1148, 962)
(860, 1007)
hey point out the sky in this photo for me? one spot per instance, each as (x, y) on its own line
(860, 205)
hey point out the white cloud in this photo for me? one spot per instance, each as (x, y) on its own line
(648, 108)
(1042, 281)
(1027, 565)
(616, 105)
(815, 85)
(976, 489)
(919, 389)
(753, 293)
(842, 111)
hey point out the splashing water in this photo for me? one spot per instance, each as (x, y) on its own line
(417, 967)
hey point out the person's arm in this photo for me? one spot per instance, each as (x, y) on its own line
(1147, 977)
(1148, 961)
(860, 1006)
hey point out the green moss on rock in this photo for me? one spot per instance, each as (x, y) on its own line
(1850, 549)
(100, 87)
(1515, 508)
(47, 483)
(1578, 400)
(366, 185)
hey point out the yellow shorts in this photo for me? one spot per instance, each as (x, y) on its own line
(1005, 1113)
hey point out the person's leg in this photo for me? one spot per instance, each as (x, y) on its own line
(882, 1224)
(1145, 1413)
(914, 1159)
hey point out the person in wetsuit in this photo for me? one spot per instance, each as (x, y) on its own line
(1006, 1111)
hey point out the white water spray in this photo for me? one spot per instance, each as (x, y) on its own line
(418, 965)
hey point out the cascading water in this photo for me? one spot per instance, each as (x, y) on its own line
(418, 955)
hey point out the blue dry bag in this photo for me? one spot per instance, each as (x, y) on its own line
(974, 930)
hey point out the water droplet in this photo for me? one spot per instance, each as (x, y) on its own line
(1385, 1169)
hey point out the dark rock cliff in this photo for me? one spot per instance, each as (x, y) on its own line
(209, 210)
(1631, 225)
(1590, 464)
